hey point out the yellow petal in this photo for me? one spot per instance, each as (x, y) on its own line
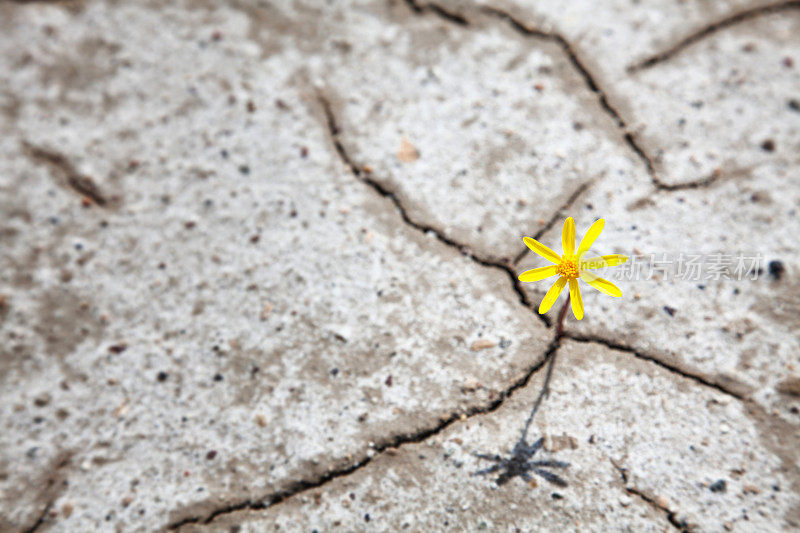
(538, 273)
(591, 234)
(602, 285)
(552, 295)
(592, 263)
(542, 250)
(568, 236)
(575, 298)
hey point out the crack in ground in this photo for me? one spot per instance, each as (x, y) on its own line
(592, 84)
(52, 485)
(569, 50)
(395, 442)
(710, 29)
(357, 171)
(85, 185)
(297, 487)
(671, 515)
(556, 216)
(438, 10)
(60, 164)
(335, 133)
(39, 521)
(588, 78)
(698, 378)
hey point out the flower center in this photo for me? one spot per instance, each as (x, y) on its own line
(568, 268)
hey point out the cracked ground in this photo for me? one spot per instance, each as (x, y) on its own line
(259, 259)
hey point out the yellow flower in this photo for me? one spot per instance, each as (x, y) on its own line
(571, 266)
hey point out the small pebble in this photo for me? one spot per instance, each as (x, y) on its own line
(718, 486)
(42, 400)
(471, 384)
(750, 489)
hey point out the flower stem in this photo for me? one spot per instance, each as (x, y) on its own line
(550, 363)
(561, 315)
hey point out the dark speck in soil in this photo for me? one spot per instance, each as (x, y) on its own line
(776, 269)
(718, 486)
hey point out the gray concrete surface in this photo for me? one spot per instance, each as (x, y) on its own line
(258, 264)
